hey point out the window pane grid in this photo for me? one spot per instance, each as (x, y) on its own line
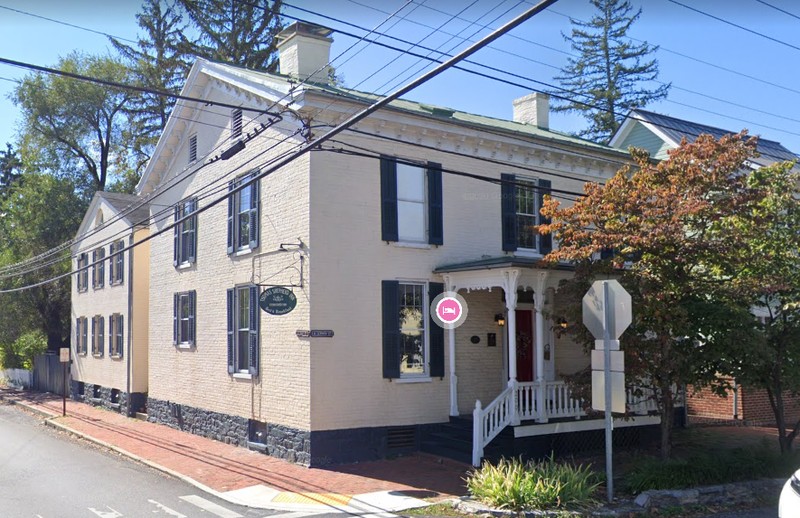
(412, 329)
(527, 214)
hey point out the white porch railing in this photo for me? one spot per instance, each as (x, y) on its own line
(557, 401)
(490, 421)
(532, 400)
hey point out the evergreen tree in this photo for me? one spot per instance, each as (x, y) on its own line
(607, 78)
(240, 32)
(158, 64)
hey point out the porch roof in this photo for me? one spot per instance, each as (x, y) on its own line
(503, 261)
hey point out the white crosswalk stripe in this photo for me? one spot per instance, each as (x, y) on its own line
(167, 510)
(210, 506)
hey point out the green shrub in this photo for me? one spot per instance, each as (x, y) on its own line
(518, 486)
(719, 467)
(20, 353)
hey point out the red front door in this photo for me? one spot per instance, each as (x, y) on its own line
(524, 345)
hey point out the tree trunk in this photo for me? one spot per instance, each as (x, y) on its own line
(667, 408)
(776, 401)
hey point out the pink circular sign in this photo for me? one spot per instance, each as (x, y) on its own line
(448, 310)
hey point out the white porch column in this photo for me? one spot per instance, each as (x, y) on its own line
(451, 351)
(538, 304)
(510, 278)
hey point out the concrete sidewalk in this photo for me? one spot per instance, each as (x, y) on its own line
(250, 478)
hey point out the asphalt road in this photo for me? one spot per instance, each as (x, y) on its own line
(48, 474)
(764, 512)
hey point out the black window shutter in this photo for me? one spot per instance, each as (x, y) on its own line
(176, 301)
(176, 253)
(192, 319)
(254, 331)
(508, 195)
(389, 230)
(435, 212)
(545, 240)
(120, 334)
(231, 295)
(94, 334)
(85, 334)
(102, 340)
(121, 273)
(391, 329)
(77, 335)
(436, 334)
(231, 209)
(111, 266)
(94, 269)
(255, 204)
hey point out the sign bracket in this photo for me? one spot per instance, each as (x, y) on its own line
(290, 285)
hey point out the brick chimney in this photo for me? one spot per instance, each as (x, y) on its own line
(533, 109)
(304, 50)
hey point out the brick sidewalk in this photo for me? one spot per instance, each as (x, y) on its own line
(222, 467)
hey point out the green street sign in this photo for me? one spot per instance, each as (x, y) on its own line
(277, 301)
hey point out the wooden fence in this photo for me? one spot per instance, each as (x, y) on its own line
(48, 374)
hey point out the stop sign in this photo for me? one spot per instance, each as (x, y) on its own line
(619, 302)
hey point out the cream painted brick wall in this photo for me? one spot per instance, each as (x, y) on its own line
(105, 370)
(199, 376)
(350, 261)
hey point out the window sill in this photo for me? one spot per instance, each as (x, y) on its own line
(416, 379)
(184, 266)
(120, 283)
(185, 346)
(243, 251)
(527, 252)
(242, 375)
(412, 244)
(97, 355)
(97, 288)
(115, 356)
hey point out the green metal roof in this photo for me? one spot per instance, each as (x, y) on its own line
(436, 112)
(492, 263)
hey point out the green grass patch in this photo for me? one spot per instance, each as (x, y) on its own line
(712, 467)
(520, 486)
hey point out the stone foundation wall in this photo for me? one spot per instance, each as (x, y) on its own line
(126, 403)
(214, 425)
(289, 443)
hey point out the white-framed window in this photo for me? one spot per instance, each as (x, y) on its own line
(115, 335)
(243, 330)
(81, 332)
(116, 273)
(527, 203)
(236, 123)
(83, 272)
(184, 307)
(185, 233)
(98, 338)
(99, 268)
(243, 214)
(412, 224)
(413, 307)
(193, 148)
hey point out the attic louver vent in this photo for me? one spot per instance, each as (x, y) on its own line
(192, 148)
(236, 124)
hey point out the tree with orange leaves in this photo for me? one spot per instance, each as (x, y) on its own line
(680, 231)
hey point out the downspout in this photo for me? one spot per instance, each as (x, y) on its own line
(130, 319)
(735, 401)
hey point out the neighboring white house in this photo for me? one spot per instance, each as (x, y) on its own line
(365, 232)
(109, 304)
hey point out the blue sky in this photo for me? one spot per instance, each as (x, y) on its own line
(695, 52)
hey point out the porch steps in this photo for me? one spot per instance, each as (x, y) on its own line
(453, 440)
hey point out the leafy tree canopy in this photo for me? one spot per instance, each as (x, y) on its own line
(76, 128)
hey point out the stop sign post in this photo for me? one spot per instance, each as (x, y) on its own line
(607, 313)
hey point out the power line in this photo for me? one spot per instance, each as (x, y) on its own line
(20, 11)
(123, 86)
(354, 119)
(732, 24)
(779, 9)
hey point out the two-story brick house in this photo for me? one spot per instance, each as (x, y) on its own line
(110, 304)
(362, 233)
